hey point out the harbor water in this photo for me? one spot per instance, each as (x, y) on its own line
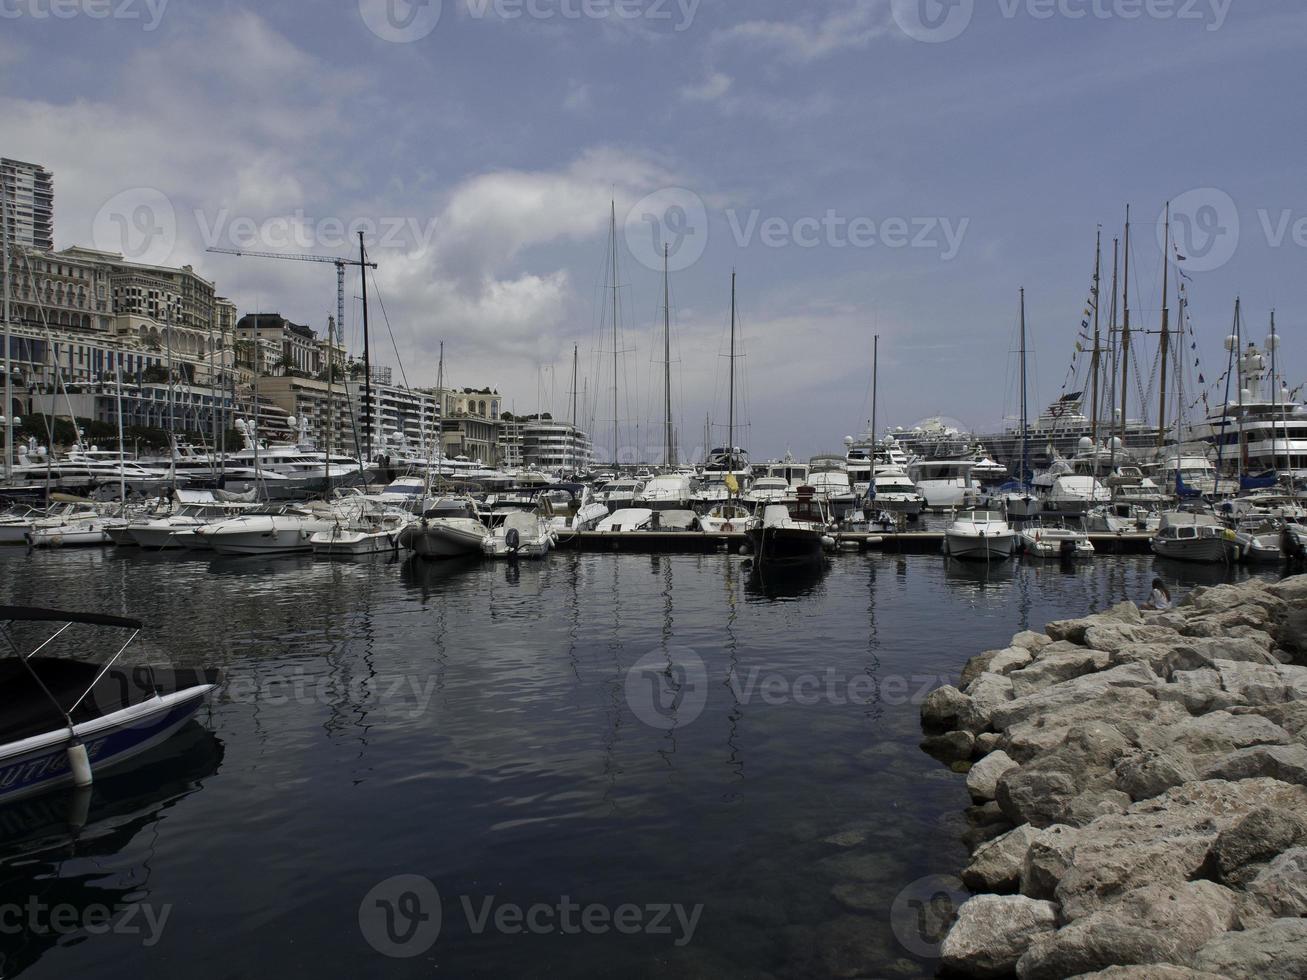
(596, 765)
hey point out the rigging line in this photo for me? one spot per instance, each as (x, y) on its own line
(386, 317)
(58, 371)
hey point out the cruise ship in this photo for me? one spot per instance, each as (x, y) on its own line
(1059, 431)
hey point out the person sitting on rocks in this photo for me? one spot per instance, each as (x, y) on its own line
(1161, 597)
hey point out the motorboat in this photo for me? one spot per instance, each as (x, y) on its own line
(1293, 542)
(573, 507)
(946, 484)
(449, 528)
(625, 520)
(671, 491)
(194, 509)
(1197, 537)
(269, 530)
(674, 520)
(1055, 539)
(767, 490)
(1070, 488)
(793, 534)
(893, 491)
(725, 518)
(829, 479)
(1120, 518)
(1260, 539)
(363, 526)
(980, 535)
(1017, 500)
(521, 534)
(15, 522)
(63, 720)
(619, 493)
(82, 524)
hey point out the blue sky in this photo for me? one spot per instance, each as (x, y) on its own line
(861, 172)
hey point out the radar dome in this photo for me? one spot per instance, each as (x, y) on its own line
(1231, 342)
(1086, 444)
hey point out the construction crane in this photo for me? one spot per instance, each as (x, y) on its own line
(339, 263)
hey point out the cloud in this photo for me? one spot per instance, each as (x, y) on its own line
(853, 26)
(710, 89)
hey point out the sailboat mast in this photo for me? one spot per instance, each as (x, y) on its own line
(440, 404)
(8, 411)
(575, 349)
(1166, 329)
(730, 427)
(1238, 367)
(875, 385)
(122, 476)
(1125, 332)
(1280, 406)
(367, 358)
(1025, 406)
(1111, 331)
(612, 235)
(668, 449)
(1096, 360)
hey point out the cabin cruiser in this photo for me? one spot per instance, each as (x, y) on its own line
(363, 526)
(573, 507)
(175, 528)
(1053, 538)
(724, 518)
(980, 535)
(15, 522)
(1187, 536)
(1120, 518)
(792, 534)
(946, 484)
(893, 491)
(1260, 539)
(722, 463)
(85, 469)
(672, 491)
(269, 530)
(986, 472)
(520, 534)
(1187, 473)
(64, 720)
(1128, 485)
(1070, 488)
(795, 474)
(767, 490)
(75, 523)
(626, 519)
(619, 492)
(829, 478)
(449, 528)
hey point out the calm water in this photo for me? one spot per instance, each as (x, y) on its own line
(481, 726)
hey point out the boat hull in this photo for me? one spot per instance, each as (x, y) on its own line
(353, 543)
(1207, 550)
(980, 547)
(444, 538)
(781, 547)
(70, 536)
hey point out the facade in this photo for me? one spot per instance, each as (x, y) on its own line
(58, 292)
(27, 191)
(273, 345)
(180, 295)
(556, 447)
(471, 424)
(402, 421)
(510, 443)
(183, 408)
(307, 398)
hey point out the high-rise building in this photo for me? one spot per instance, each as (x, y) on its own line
(28, 191)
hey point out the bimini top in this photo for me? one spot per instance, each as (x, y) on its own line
(30, 614)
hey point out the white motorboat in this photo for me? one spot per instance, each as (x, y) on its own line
(725, 518)
(15, 523)
(79, 533)
(892, 490)
(1121, 518)
(194, 509)
(1067, 488)
(522, 534)
(946, 484)
(450, 528)
(1055, 539)
(829, 479)
(363, 526)
(791, 535)
(269, 530)
(768, 490)
(980, 535)
(626, 519)
(671, 491)
(619, 493)
(1186, 536)
(573, 508)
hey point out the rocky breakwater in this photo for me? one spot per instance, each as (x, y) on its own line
(1139, 782)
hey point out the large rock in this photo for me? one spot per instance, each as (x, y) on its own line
(1048, 857)
(1131, 711)
(1038, 797)
(982, 780)
(1152, 924)
(1054, 668)
(946, 709)
(993, 931)
(1200, 691)
(1287, 763)
(1281, 886)
(1165, 840)
(1070, 693)
(1034, 642)
(1277, 951)
(1146, 773)
(1254, 683)
(1215, 735)
(995, 662)
(950, 747)
(1046, 790)
(1073, 630)
(1255, 838)
(1153, 971)
(996, 865)
(1114, 637)
(988, 691)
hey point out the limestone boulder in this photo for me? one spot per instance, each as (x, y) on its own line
(1277, 951)
(992, 933)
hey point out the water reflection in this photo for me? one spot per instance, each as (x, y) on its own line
(799, 582)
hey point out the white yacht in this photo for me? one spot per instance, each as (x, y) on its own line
(362, 526)
(795, 474)
(892, 490)
(1053, 538)
(573, 507)
(767, 489)
(829, 478)
(980, 535)
(619, 492)
(269, 530)
(521, 534)
(726, 517)
(1068, 487)
(449, 528)
(1187, 536)
(190, 511)
(946, 484)
(672, 491)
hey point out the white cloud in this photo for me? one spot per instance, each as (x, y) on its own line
(853, 26)
(710, 89)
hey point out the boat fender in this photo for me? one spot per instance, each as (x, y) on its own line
(512, 539)
(828, 542)
(79, 763)
(56, 541)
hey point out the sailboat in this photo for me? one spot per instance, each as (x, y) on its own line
(726, 470)
(1019, 499)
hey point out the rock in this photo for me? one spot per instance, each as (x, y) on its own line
(996, 866)
(1292, 590)
(995, 662)
(1207, 651)
(1253, 683)
(1164, 840)
(987, 742)
(1153, 971)
(982, 781)
(993, 931)
(1088, 806)
(1215, 734)
(1037, 797)
(1073, 630)
(1287, 763)
(1070, 693)
(950, 747)
(1047, 859)
(857, 896)
(1200, 691)
(1277, 951)
(1152, 924)
(1034, 642)
(1131, 711)
(1281, 886)
(852, 837)
(1291, 716)
(980, 835)
(1144, 773)
(988, 691)
(946, 709)
(1114, 637)
(1256, 837)
(1067, 784)
(1054, 668)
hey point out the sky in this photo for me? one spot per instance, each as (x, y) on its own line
(899, 168)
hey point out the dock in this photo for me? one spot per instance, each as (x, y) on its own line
(905, 542)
